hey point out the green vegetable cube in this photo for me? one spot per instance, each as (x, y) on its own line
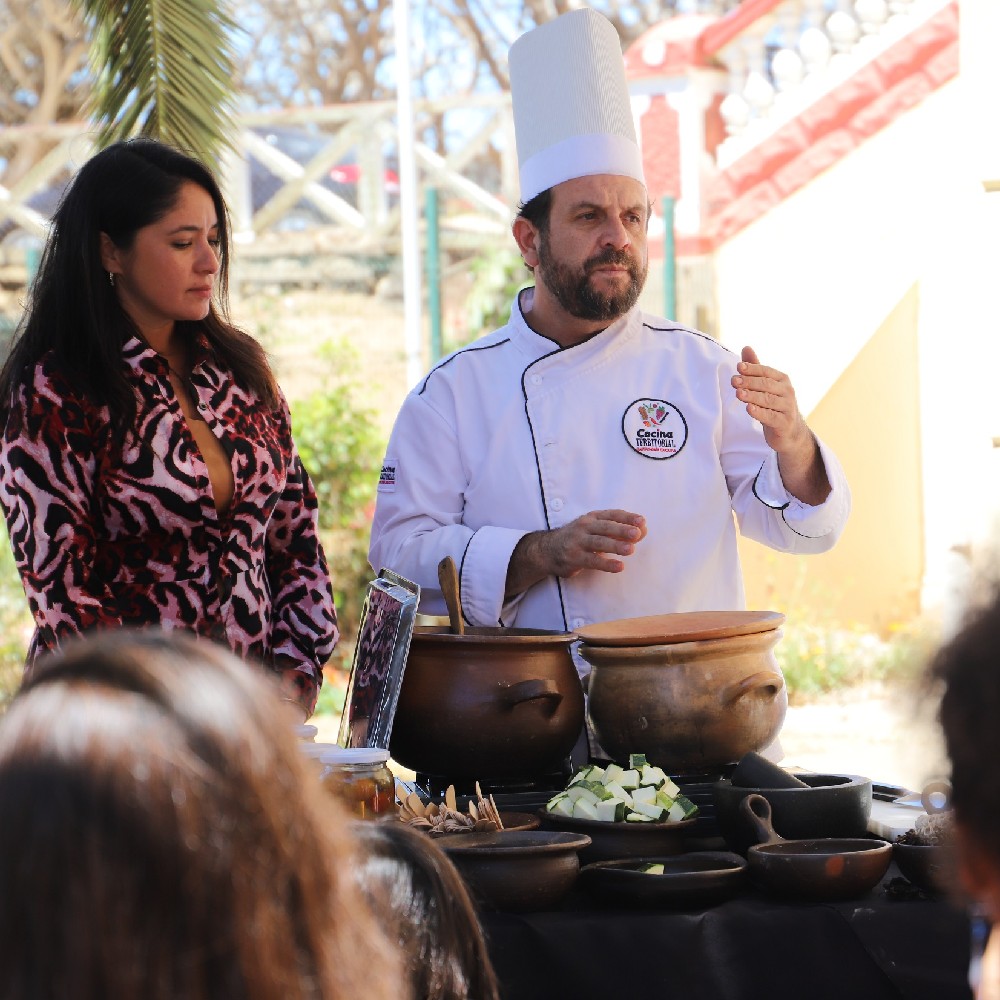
(613, 773)
(629, 779)
(650, 775)
(645, 793)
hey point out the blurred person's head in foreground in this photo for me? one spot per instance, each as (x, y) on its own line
(967, 667)
(162, 838)
(420, 896)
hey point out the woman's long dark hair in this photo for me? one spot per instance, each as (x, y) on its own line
(73, 310)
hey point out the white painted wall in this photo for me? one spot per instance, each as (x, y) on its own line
(809, 283)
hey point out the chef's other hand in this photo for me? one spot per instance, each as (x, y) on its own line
(770, 398)
(592, 541)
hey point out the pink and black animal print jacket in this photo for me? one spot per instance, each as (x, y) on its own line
(106, 537)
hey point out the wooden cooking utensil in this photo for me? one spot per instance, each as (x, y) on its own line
(686, 626)
(448, 578)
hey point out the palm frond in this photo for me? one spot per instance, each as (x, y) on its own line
(163, 68)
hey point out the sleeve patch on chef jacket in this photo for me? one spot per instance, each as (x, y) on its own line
(654, 428)
(387, 477)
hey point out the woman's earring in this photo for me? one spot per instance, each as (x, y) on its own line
(111, 278)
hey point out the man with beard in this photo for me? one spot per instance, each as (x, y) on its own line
(585, 462)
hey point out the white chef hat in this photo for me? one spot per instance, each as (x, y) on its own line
(572, 113)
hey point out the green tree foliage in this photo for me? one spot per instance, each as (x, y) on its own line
(341, 446)
(16, 625)
(163, 68)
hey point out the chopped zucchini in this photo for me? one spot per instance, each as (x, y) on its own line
(629, 779)
(585, 809)
(617, 792)
(637, 760)
(656, 813)
(579, 790)
(636, 817)
(650, 775)
(678, 811)
(563, 806)
(687, 805)
(645, 793)
(662, 799)
(613, 773)
(611, 811)
(651, 868)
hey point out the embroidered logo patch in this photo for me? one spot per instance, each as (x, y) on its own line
(387, 477)
(654, 428)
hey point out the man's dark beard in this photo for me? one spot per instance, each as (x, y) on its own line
(574, 291)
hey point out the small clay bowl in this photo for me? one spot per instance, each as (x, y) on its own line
(610, 841)
(820, 869)
(519, 821)
(516, 870)
(927, 866)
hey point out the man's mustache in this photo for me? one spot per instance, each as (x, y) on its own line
(612, 256)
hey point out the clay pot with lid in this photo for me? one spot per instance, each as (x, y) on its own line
(492, 704)
(693, 691)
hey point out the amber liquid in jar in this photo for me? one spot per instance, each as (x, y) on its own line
(361, 779)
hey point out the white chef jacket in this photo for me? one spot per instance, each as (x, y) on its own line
(514, 434)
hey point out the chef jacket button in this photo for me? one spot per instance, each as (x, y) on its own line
(556, 504)
(536, 379)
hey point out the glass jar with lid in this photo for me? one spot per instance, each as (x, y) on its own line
(361, 779)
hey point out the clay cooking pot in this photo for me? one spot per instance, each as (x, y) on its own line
(691, 707)
(490, 704)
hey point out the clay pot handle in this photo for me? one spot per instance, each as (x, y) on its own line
(763, 681)
(533, 690)
(757, 811)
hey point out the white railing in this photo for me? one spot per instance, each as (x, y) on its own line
(798, 51)
(366, 131)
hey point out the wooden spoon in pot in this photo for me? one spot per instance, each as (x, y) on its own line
(448, 578)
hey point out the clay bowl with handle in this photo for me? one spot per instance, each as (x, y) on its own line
(824, 868)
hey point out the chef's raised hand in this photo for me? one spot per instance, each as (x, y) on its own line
(770, 398)
(594, 541)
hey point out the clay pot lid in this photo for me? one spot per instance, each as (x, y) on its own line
(685, 626)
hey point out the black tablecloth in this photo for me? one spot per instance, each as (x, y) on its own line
(749, 948)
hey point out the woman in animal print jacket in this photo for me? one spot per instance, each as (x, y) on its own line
(147, 469)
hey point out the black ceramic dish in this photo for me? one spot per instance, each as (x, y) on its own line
(698, 879)
(928, 866)
(833, 805)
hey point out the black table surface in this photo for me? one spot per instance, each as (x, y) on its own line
(751, 947)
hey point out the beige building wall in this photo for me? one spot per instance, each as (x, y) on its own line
(871, 419)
